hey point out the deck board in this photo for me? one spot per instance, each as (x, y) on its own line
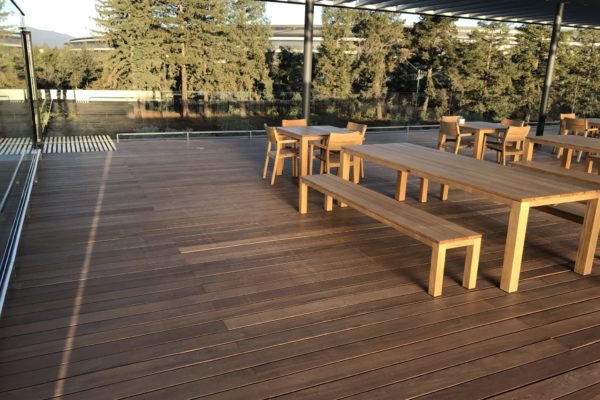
(169, 269)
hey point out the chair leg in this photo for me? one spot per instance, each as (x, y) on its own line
(442, 142)
(457, 148)
(436, 272)
(266, 166)
(498, 157)
(471, 264)
(275, 167)
(503, 158)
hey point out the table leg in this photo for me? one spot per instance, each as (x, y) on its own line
(513, 250)
(478, 150)
(588, 238)
(566, 158)
(355, 169)
(304, 157)
(529, 145)
(401, 181)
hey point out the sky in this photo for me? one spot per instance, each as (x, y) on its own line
(75, 17)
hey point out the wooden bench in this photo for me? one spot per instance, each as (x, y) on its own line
(433, 231)
(571, 211)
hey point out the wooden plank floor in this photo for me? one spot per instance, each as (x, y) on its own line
(170, 270)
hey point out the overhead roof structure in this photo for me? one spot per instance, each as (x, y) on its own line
(577, 13)
(557, 13)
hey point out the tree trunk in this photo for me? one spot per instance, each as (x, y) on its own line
(425, 106)
(379, 109)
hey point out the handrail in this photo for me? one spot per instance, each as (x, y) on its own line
(250, 133)
(11, 183)
(10, 252)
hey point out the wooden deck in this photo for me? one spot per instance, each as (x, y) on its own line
(170, 270)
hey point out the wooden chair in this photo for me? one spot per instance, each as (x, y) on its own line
(450, 133)
(294, 122)
(280, 153)
(329, 156)
(508, 122)
(579, 126)
(362, 129)
(562, 130)
(511, 144)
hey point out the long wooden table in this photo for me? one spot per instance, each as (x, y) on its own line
(305, 134)
(569, 143)
(519, 189)
(479, 130)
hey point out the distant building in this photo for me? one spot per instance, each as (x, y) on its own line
(290, 36)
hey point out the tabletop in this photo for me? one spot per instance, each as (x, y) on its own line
(491, 180)
(480, 125)
(572, 141)
(315, 130)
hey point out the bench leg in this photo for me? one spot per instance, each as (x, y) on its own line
(424, 189)
(471, 264)
(344, 169)
(401, 185)
(303, 197)
(444, 192)
(328, 205)
(436, 273)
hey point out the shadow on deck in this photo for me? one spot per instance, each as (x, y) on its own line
(170, 270)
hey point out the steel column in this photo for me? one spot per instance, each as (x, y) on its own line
(309, 11)
(31, 87)
(550, 68)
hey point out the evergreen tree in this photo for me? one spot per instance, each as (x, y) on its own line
(433, 42)
(379, 52)
(529, 56)
(334, 71)
(137, 39)
(485, 72)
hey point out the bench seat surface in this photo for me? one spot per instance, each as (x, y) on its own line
(416, 223)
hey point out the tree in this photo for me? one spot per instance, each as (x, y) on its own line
(485, 72)
(380, 50)
(248, 44)
(334, 76)
(529, 56)
(433, 43)
(137, 37)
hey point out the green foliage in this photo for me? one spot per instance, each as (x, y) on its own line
(334, 74)
(485, 71)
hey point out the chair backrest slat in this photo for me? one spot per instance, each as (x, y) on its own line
(516, 133)
(449, 128)
(450, 118)
(512, 122)
(360, 128)
(563, 128)
(576, 124)
(294, 122)
(336, 141)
